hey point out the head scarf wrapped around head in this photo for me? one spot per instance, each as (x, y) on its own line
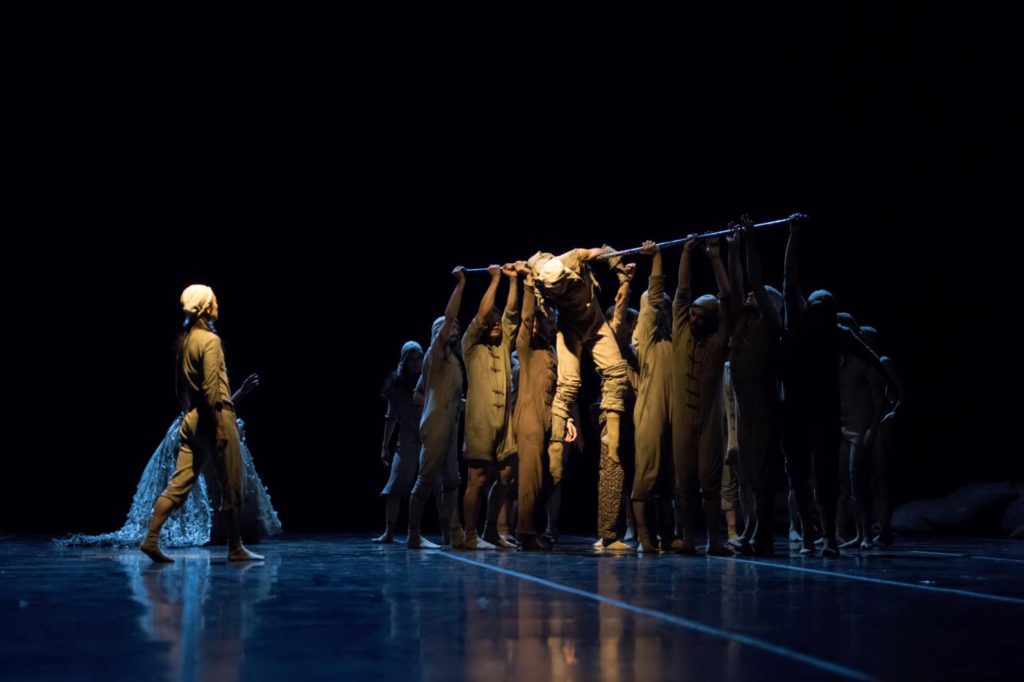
(196, 300)
(709, 303)
(435, 328)
(409, 347)
(552, 272)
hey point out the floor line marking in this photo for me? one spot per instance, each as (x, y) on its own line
(753, 642)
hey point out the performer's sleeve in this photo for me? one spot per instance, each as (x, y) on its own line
(213, 365)
(509, 327)
(680, 312)
(471, 337)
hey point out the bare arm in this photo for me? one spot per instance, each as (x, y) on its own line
(756, 276)
(614, 263)
(487, 302)
(529, 311)
(724, 289)
(512, 302)
(451, 313)
(683, 299)
(721, 276)
(684, 265)
(857, 346)
(590, 254)
(655, 290)
(736, 242)
(622, 300)
(795, 302)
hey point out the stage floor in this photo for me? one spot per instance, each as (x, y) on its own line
(339, 607)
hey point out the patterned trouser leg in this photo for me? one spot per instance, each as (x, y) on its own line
(611, 514)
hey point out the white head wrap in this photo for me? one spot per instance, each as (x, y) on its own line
(552, 272)
(196, 300)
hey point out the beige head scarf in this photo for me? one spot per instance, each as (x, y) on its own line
(196, 300)
(552, 272)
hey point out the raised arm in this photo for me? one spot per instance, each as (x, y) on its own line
(512, 302)
(647, 319)
(683, 298)
(713, 248)
(796, 304)
(487, 302)
(756, 275)
(451, 313)
(736, 242)
(685, 268)
(622, 300)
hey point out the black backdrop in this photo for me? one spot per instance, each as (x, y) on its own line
(324, 173)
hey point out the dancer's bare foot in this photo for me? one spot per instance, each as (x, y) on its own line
(741, 546)
(498, 540)
(419, 542)
(851, 544)
(474, 542)
(831, 549)
(240, 553)
(681, 546)
(153, 551)
(648, 548)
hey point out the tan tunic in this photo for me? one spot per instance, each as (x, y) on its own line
(532, 416)
(653, 411)
(204, 377)
(698, 364)
(581, 325)
(441, 386)
(489, 396)
(208, 430)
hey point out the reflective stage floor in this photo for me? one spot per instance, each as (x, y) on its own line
(339, 607)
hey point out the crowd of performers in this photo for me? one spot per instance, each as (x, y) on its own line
(705, 402)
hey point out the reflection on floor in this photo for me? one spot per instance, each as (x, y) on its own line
(338, 607)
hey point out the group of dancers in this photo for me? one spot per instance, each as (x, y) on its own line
(705, 401)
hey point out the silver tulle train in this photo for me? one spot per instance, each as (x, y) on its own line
(191, 524)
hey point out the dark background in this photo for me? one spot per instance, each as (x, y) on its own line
(323, 173)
